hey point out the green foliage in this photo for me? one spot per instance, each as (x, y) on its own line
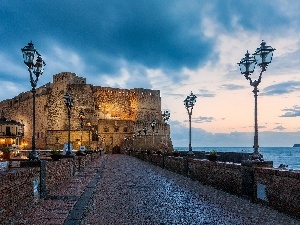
(55, 152)
(213, 153)
(4, 149)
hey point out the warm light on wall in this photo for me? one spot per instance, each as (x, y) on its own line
(23, 145)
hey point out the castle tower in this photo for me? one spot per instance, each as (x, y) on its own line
(114, 117)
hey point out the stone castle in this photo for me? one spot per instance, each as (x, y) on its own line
(115, 119)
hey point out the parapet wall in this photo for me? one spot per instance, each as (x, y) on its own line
(277, 188)
(17, 191)
(20, 188)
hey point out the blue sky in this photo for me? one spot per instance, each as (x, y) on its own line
(173, 46)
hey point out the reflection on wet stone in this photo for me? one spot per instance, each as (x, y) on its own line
(135, 192)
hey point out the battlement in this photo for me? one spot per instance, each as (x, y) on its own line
(66, 76)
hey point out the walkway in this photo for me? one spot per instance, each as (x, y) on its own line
(120, 189)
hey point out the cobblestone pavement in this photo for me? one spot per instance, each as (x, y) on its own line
(132, 191)
(119, 189)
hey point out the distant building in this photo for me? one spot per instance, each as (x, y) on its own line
(11, 132)
(114, 118)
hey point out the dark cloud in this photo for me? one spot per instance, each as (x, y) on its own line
(282, 88)
(291, 112)
(156, 34)
(142, 32)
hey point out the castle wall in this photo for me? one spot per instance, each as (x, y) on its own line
(113, 108)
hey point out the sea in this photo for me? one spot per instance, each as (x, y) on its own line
(288, 156)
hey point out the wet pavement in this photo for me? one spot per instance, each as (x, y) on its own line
(119, 189)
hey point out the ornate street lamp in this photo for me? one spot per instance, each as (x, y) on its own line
(81, 117)
(189, 103)
(262, 56)
(35, 65)
(166, 117)
(69, 103)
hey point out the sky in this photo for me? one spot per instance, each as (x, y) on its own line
(174, 46)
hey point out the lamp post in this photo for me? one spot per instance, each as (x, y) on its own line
(153, 125)
(133, 143)
(145, 132)
(81, 117)
(69, 103)
(189, 103)
(166, 117)
(126, 139)
(89, 126)
(262, 56)
(35, 65)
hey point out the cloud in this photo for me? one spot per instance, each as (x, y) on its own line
(172, 47)
(205, 93)
(142, 32)
(13, 69)
(148, 33)
(12, 88)
(282, 88)
(203, 119)
(280, 127)
(202, 138)
(232, 87)
(292, 112)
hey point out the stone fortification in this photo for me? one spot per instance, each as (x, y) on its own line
(114, 115)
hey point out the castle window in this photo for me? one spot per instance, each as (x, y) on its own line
(106, 129)
(116, 129)
(125, 129)
(8, 131)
